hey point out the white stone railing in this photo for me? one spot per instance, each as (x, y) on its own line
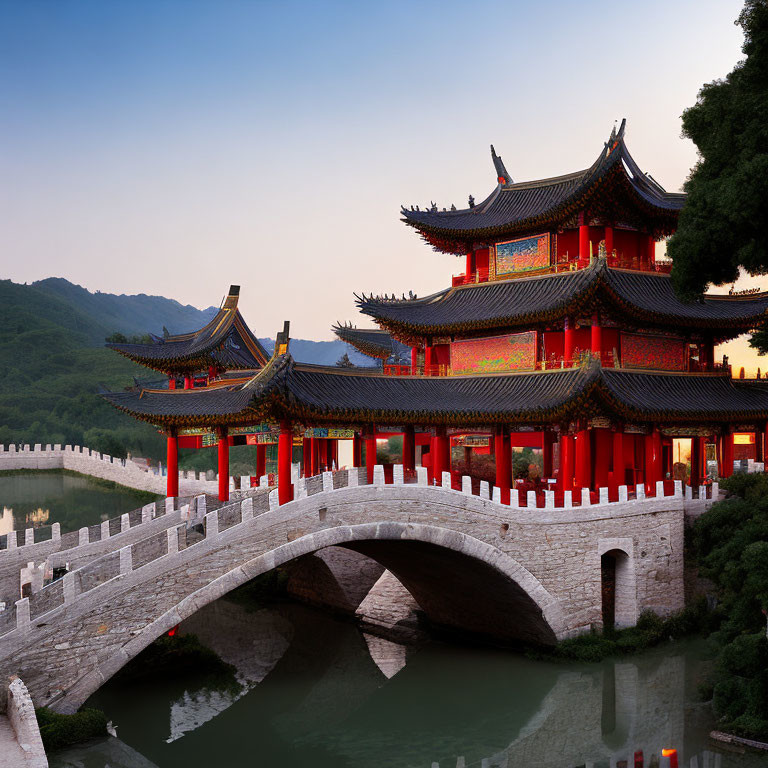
(169, 542)
(21, 715)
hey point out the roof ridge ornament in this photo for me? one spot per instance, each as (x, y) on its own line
(501, 172)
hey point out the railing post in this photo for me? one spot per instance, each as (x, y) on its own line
(246, 510)
(398, 476)
(125, 523)
(603, 495)
(514, 498)
(353, 477)
(68, 586)
(56, 532)
(212, 524)
(496, 497)
(29, 536)
(421, 475)
(484, 489)
(82, 537)
(22, 614)
(623, 493)
(11, 542)
(173, 540)
(549, 499)
(567, 499)
(378, 473)
(659, 489)
(327, 481)
(640, 491)
(126, 560)
(530, 500)
(445, 480)
(586, 501)
(105, 530)
(466, 485)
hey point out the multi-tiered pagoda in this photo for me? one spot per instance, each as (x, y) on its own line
(563, 333)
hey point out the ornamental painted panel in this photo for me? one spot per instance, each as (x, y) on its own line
(523, 255)
(516, 351)
(658, 353)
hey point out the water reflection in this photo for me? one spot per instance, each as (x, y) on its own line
(34, 499)
(315, 691)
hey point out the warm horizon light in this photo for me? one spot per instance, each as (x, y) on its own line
(175, 148)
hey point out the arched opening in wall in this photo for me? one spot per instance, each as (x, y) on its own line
(617, 582)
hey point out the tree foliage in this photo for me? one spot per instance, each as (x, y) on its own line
(731, 542)
(722, 226)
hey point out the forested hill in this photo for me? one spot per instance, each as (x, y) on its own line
(53, 360)
(130, 315)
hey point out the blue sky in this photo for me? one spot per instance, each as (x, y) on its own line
(178, 146)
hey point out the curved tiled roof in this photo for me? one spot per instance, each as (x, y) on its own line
(373, 342)
(514, 207)
(647, 297)
(316, 394)
(226, 341)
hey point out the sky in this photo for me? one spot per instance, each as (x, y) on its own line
(175, 147)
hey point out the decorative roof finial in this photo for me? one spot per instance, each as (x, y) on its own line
(501, 172)
(471, 201)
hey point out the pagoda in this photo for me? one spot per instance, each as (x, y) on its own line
(562, 333)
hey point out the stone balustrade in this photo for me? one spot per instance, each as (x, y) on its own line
(171, 537)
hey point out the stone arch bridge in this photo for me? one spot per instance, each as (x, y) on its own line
(510, 573)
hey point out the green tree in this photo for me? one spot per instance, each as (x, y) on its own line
(722, 226)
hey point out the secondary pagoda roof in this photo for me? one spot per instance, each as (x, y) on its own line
(316, 394)
(613, 187)
(373, 342)
(225, 342)
(644, 297)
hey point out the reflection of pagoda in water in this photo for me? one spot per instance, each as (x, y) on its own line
(9, 523)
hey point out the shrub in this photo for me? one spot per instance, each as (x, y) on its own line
(58, 731)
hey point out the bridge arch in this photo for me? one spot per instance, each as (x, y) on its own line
(411, 551)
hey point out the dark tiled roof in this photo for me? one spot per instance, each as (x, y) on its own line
(225, 341)
(321, 394)
(645, 296)
(373, 342)
(512, 207)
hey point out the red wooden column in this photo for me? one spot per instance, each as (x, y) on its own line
(565, 479)
(651, 250)
(618, 474)
(547, 439)
(652, 460)
(414, 360)
(189, 382)
(470, 264)
(727, 439)
(609, 245)
(314, 465)
(428, 360)
(596, 337)
(503, 464)
(568, 336)
(172, 463)
(223, 464)
(357, 450)
(409, 450)
(583, 459)
(441, 454)
(583, 240)
(171, 382)
(370, 453)
(695, 479)
(603, 439)
(759, 444)
(284, 458)
(306, 454)
(261, 460)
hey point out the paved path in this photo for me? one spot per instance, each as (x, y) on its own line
(11, 754)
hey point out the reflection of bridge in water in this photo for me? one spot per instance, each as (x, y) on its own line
(314, 693)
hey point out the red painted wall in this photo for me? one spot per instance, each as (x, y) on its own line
(568, 243)
(441, 354)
